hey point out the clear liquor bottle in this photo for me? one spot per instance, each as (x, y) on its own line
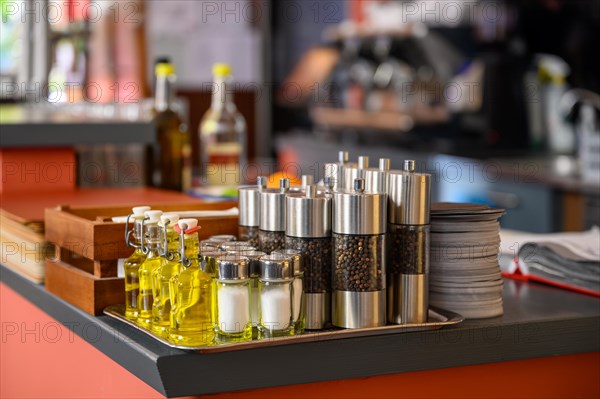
(222, 135)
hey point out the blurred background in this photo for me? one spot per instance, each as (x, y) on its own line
(497, 99)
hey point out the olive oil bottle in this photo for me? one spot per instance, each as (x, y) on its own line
(132, 264)
(152, 244)
(192, 293)
(172, 168)
(161, 309)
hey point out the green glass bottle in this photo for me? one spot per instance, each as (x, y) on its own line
(132, 264)
(152, 245)
(192, 294)
(161, 309)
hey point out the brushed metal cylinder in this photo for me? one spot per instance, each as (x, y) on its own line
(409, 196)
(272, 209)
(358, 212)
(407, 298)
(308, 215)
(376, 180)
(358, 309)
(318, 311)
(249, 206)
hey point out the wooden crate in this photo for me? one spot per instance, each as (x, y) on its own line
(89, 245)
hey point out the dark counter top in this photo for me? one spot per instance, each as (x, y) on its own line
(539, 321)
(45, 126)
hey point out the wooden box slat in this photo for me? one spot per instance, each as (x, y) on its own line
(89, 244)
(84, 290)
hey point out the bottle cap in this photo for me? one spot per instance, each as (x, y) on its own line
(139, 211)
(232, 268)
(164, 69)
(276, 267)
(153, 216)
(295, 257)
(272, 209)
(221, 70)
(187, 223)
(171, 218)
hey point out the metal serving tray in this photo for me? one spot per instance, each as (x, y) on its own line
(438, 318)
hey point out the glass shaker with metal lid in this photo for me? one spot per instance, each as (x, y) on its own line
(249, 206)
(233, 322)
(253, 275)
(408, 245)
(298, 290)
(308, 230)
(359, 227)
(272, 217)
(276, 296)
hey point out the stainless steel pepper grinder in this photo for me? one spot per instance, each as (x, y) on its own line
(408, 245)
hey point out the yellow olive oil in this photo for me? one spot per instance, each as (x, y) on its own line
(153, 243)
(132, 265)
(192, 296)
(161, 309)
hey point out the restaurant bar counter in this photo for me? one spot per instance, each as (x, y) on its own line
(50, 348)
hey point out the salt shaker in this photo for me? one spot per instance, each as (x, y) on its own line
(272, 217)
(253, 274)
(359, 227)
(308, 230)
(249, 206)
(275, 285)
(408, 245)
(233, 322)
(298, 309)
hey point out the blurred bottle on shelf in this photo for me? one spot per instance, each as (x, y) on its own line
(222, 134)
(171, 160)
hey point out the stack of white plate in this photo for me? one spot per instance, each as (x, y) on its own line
(464, 273)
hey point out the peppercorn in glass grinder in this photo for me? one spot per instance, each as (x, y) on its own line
(249, 205)
(359, 226)
(408, 245)
(308, 230)
(272, 217)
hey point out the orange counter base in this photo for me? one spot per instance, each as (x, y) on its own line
(41, 358)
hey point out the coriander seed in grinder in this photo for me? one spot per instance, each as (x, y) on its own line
(272, 217)
(308, 230)
(359, 226)
(408, 245)
(249, 205)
